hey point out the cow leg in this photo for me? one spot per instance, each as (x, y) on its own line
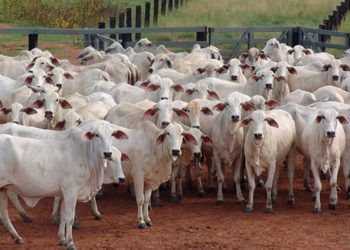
(54, 215)
(268, 186)
(307, 165)
(209, 162)
(200, 189)
(156, 198)
(318, 186)
(251, 182)
(346, 171)
(220, 178)
(174, 172)
(237, 164)
(69, 203)
(179, 178)
(17, 204)
(274, 185)
(333, 199)
(189, 177)
(62, 228)
(5, 218)
(148, 193)
(291, 167)
(140, 200)
(97, 215)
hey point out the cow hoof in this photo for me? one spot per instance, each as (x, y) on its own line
(142, 226)
(211, 190)
(55, 222)
(268, 210)
(26, 219)
(291, 202)
(248, 210)
(76, 225)
(63, 243)
(200, 194)
(99, 195)
(98, 217)
(157, 202)
(19, 241)
(332, 206)
(179, 197)
(149, 223)
(219, 202)
(317, 210)
(174, 199)
(71, 247)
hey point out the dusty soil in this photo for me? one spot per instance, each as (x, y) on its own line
(196, 223)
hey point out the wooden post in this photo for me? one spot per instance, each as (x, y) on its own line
(176, 4)
(138, 22)
(155, 11)
(128, 36)
(296, 39)
(112, 23)
(147, 14)
(32, 41)
(201, 36)
(121, 24)
(163, 7)
(170, 5)
(322, 38)
(101, 43)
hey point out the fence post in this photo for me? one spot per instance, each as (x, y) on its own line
(138, 21)
(322, 38)
(210, 35)
(155, 11)
(250, 39)
(121, 24)
(128, 36)
(101, 43)
(87, 40)
(112, 22)
(147, 14)
(201, 36)
(170, 5)
(163, 7)
(296, 39)
(32, 41)
(176, 4)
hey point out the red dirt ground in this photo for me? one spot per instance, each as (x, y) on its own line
(196, 223)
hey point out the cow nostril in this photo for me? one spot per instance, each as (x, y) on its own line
(196, 127)
(164, 124)
(107, 155)
(235, 118)
(175, 152)
(48, 114)
(253, 68)
(335, 78)
(330, 134)
(59, 85)
(268, 85)
(150, 71)
(164, 98)
(16, 122)
(234, 78)
(197, 154)
(121, 180)
(258, 136)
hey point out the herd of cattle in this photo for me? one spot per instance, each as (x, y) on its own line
(144, 114)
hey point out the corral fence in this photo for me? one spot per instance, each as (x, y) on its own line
(232, 40)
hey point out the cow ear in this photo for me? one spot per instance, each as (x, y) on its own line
(144, 84)
(248, 106)
(68, 76)
(256, 78)
(342, 119)
(152, 87)
(292, 70)
(244, 66)
(200, 70)
(219, 107)
(54, 61)
(188, 138)
(244, 55)
(65, 104)
(345, 67)
(150, 112)
(326, 67)
(177, 88)
(207, 141)
(291, 51)
(124, 157)
(319, 118)
(38, 104)
(60, 125)
(120, 135)
(5, 110)
(48, 80)
(190, 91)
(271, 122)
(213, 94)
(30, 66)
(160, 138)
(246, 121)
(29, 111)
(89, 135)
(263, 56)
(29, 80)
(169, 64)
(207, 111)
(307, 52)
(180, 113)
(272, 104)
(274, 69)
(50, 67)
(221, 70)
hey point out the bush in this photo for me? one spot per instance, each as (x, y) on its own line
(61, 13)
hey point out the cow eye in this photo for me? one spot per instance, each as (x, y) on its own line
(226, 104)
(167, 133)
(42, 63)
(97, 135)
(56, 100)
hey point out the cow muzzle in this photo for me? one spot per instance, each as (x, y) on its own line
(268, 86)
(107, 155)
(48, 115)
(235, 118)
(335, 78)
(258, 136)
(234, 78)
(330, 134)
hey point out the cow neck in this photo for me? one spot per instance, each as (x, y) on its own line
(324, 147)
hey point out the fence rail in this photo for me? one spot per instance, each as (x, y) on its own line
(230, 39)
